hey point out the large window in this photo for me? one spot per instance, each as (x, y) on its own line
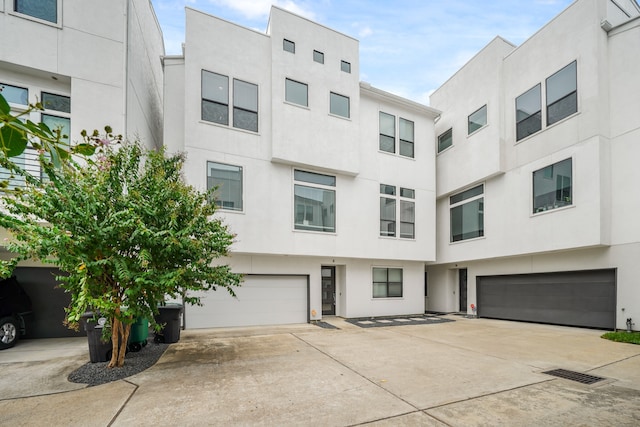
(315, 202)
(339, 105)
(227, 180)
(215, 101)
(387, 282)
(296, 92)
(562, 94)
(387, 132)
(388, 135)
(528, 113)
(47, 10)
(215, 98)
(245, 105)
(395, 205)
(445, 140)
(467, 214)
(477, 119)
(552, 187)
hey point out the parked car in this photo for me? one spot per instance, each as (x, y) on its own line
(15, 309)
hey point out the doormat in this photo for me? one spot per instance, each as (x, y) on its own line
(376, 322)
(324, 325)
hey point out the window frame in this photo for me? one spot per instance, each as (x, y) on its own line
(244, 109)
(442, 136)
(384, 135)
(286, 92)
(565, 96)
(314, 180)
(529, 116)
(482, 126)
(399, 199)
(318, 56)
(222, 206)
(559, 199)
(232, 105)
(337, 96)
(57, 23)
(205, 99)
(387, 282)
(289, 46)
(462, 198)
(405, 141)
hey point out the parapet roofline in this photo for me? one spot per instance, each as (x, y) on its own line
(308, 20)
(398, 100)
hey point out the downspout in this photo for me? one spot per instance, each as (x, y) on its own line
(125, 86)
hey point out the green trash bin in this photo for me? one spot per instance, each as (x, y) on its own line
(138, 334)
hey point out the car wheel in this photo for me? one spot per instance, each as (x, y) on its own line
(9, 332)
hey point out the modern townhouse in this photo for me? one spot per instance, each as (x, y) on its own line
(536, 175)
(328, 183)
(91, 64)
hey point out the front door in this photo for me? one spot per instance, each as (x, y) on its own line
(463, 289)
(328, 290)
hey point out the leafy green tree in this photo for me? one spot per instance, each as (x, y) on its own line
(126, 232)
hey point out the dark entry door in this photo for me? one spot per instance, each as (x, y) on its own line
(328, 290)
(462, 280)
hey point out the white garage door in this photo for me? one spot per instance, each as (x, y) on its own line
(261, 300)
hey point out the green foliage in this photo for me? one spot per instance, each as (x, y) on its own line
(623, 336)
(125, 230)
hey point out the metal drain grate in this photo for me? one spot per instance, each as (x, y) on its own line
(574, 376)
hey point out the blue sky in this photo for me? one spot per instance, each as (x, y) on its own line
(407, 47)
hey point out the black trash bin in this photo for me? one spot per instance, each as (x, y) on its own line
(169, 318)
(99, 351)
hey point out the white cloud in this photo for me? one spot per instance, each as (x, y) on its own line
(365, 32)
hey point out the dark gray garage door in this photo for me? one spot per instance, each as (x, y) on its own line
(574, 298)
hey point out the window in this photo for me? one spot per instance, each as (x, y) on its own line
(215, 98)
(15, 94)
(339, 105)
(61, 103)
(562, 94)
(389, 202)
(227, 180)
(552, 187)
(215, 101)
(47, 10)
(406, 137)
(387, 282)
(477, 119)
(528, 113)
(315, 202)
(345, 66)
(318, 56)
(387, 132)
(296, 92)
(245, 105)
(54, 105)
(445, 140)
(288, 46)
(467, 214)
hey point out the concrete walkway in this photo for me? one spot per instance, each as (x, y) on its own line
(464, 373)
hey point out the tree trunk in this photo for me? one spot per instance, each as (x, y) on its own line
(119, 338)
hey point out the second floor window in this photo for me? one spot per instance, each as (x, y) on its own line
(394, 205)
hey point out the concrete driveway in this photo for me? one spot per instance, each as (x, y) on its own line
(464, 373)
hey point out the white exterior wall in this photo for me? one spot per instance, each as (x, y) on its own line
(89, 60)
(597, 230)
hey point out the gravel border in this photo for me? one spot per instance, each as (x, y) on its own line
(97, 373)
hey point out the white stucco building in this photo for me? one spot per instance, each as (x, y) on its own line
(307, 159)
(536, 205)
(91, 64)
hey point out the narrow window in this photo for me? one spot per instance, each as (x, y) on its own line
(318, 56)
(477, 119)
(387, 210)
(387, 282)
(47, 10)
(528, 113)
(387, 132)
(562, 94)
(226, 183)
(245, 105)
(288, 46)
(339, 105)
(56, 115)
(296, 92)
(315, 202)
(407, 214)
(467, 214)
(445, 140)
(395, 205)
(345, 66)
(406, 137)
(552, 186)
(215, 98)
